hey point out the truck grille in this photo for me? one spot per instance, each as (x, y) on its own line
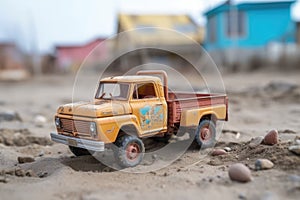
(81, 127)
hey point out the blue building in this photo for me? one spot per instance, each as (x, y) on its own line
(248, 28)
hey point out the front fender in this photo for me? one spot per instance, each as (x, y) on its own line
(108, 127)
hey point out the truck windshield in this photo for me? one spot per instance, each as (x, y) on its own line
(117, 91)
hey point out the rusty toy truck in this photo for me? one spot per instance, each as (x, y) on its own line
(127, 109)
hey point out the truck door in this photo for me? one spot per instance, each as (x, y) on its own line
(150, 110)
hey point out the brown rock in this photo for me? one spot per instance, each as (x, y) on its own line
(239, 172)
(19, 172)
(30, 173)
(263, 164)
(255, 142)
(10, 172)
(3, 179)
(271, 138)
(218, 152)
(25, 159)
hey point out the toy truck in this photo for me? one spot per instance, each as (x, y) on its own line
(127, 109)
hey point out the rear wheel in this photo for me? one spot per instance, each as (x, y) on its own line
(206, 134)
(79, 151)
(129, 151)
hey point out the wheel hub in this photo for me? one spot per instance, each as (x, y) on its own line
(205, 133)
(132, 151)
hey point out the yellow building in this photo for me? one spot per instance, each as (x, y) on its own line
(146, 26)
(175, 33)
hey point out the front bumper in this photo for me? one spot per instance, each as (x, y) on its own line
(78, 142)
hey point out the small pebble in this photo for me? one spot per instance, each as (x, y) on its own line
(228, 149)
(10, 116)
(19, 172)
(10, 172)
(261, 164)
(25, 159)
(154, 156)
(3, 179)
(43, 174)
(218, 152)
(106, 169)
(40, 120)
(184, 137)
(242, 196)
(30, 173)
(239, 172)
(255, 142)
(41, 154)
(271, 138)
(295, 149)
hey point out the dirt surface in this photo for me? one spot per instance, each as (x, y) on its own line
(259, 102)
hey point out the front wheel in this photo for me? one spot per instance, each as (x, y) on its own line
(206, 134)
(129, 151)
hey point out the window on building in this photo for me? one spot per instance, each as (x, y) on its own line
(143, 91)
(235, 24)
(212, 29)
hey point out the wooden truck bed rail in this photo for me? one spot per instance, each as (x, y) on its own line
(184, 101)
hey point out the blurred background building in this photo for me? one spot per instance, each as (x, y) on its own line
(252, 35)
(161, 31)
(238, 34)
(70, 57)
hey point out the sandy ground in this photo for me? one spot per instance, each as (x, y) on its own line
(259, 102)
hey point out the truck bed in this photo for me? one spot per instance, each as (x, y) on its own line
(179, 101)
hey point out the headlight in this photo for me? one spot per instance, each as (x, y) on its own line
(93, 129)
(58, 123)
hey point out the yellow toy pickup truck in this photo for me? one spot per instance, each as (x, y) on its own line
(127, 109)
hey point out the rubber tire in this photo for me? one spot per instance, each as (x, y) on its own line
(79, 151)
(120, 150)
(212, 141)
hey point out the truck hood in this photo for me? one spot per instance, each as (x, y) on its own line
(95, 109)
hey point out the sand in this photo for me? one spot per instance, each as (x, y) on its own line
(259, 102)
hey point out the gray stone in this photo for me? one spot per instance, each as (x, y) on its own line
(43, 174)
(40, 120)
(10, 116)
(239, 172)
(295, 149)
